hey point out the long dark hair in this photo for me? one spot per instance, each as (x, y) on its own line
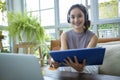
(85, 12)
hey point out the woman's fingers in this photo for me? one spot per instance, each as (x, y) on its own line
(65, 64)
(76, 60)
(54, 64)
(68, 61)
(84, 62)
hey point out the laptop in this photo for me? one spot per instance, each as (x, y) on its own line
(19, 67)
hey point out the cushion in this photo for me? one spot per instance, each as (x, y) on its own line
(111, 63)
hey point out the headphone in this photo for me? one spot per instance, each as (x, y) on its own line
(82, 8)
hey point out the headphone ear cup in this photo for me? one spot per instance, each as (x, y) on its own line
(87, 24)
(86, 17)
(68, 19)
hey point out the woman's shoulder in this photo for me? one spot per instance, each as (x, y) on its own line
(89, 32)
(66, 33)
(69, 31)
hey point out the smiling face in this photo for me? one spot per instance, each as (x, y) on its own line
(77, 19)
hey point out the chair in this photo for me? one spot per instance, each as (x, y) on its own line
(55, 44)
(29, 49)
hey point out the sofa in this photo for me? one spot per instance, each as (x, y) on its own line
(111, 62)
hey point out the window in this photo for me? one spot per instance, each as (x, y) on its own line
(108, 9)
(3, 13)
(32, 5)
(108, 30)
(45, 4)
(47, 17)
(51, 33)
(3, 24)
(50, 14)
(43, 9)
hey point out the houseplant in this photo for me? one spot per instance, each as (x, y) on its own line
(25, 27)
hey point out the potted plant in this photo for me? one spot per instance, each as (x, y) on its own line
(24, 26)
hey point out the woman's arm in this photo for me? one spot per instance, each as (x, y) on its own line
(54, 64)
(63, 42)
(93, 42)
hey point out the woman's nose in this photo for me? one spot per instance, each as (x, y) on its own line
(76, 19)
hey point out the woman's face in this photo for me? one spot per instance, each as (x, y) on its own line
(77, 18)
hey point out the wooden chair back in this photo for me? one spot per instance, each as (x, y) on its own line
(55, 44)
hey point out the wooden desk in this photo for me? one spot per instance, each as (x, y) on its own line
(51, 75)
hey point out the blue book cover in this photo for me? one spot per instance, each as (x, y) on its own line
(93, 56)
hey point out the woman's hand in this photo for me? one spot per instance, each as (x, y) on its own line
(54, 64)
(76, 65)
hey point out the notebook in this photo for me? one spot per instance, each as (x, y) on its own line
(93, 56)
(19, 67)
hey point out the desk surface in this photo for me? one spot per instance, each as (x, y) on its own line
(55, 75)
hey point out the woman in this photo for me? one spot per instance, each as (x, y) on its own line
(78, 37)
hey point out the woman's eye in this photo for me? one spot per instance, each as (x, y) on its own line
(79, 16)
(72, 17)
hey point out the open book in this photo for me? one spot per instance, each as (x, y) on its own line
(93, 56)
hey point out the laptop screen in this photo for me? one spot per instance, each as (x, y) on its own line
(19, 67)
